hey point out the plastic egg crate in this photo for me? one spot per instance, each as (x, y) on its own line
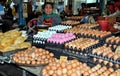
(88, 26)
(95, 34)
(40, 38)
(57, 40)
(70, 22)
(81, 46)
(113, 40)
(105, 53)
(59, 28)
(103, 62)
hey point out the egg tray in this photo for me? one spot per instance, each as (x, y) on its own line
(105, 58)
(70, 24)
(61, 52)
(40, 44)
(54, 45)
(112, 47)
(77, 55)
(112, 43)
(93, 63)
(93, 37)
(10, 53)
(96, 28)
(87, 50)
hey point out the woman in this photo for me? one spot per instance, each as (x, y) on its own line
(49, 18)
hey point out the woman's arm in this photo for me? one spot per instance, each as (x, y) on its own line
(56, 20)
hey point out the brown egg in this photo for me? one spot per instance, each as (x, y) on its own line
(96, 73)
(86, 73)
(69, 72)
(99, 71)
(116, 56)
(59, 72)
(50, 72)
(104, 68)
(105, 62)
(28, 62)
(101, 75)
(113, 74)
(94, 59)
(108, 72)
(117, 65)
(48, 68)
(64, 71)
(111, 64)
(69, 66)
(100, 60)
(110, 54)
(105, 74)
(111, 69)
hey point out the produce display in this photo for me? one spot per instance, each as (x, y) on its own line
(33, 56)
(12, 40)
(59, 28)
(70, 22)
(60, 38)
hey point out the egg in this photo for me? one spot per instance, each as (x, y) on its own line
(59, 72)
(113, 74)
(86, 73)
(64, 71)
(50, 72)
(111, 69)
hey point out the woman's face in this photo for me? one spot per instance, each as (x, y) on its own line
(48, 9)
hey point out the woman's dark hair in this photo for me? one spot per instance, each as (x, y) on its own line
(52, 4)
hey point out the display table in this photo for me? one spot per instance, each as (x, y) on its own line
(34, 70)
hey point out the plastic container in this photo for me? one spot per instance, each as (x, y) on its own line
(103, 25)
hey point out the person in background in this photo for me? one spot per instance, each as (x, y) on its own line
(48, 17)
(2, 10)
(8, 12)
(66, 12)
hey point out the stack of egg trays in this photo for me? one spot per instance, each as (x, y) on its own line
(105, 58)
(91, 62)
(39, 42)
(93, 37)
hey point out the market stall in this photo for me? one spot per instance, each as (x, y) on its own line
(67, 49)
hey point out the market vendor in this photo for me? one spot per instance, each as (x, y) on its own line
(48, 17)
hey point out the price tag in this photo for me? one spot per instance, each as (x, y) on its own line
(63, 58)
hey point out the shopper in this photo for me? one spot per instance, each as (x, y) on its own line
(48, 18)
